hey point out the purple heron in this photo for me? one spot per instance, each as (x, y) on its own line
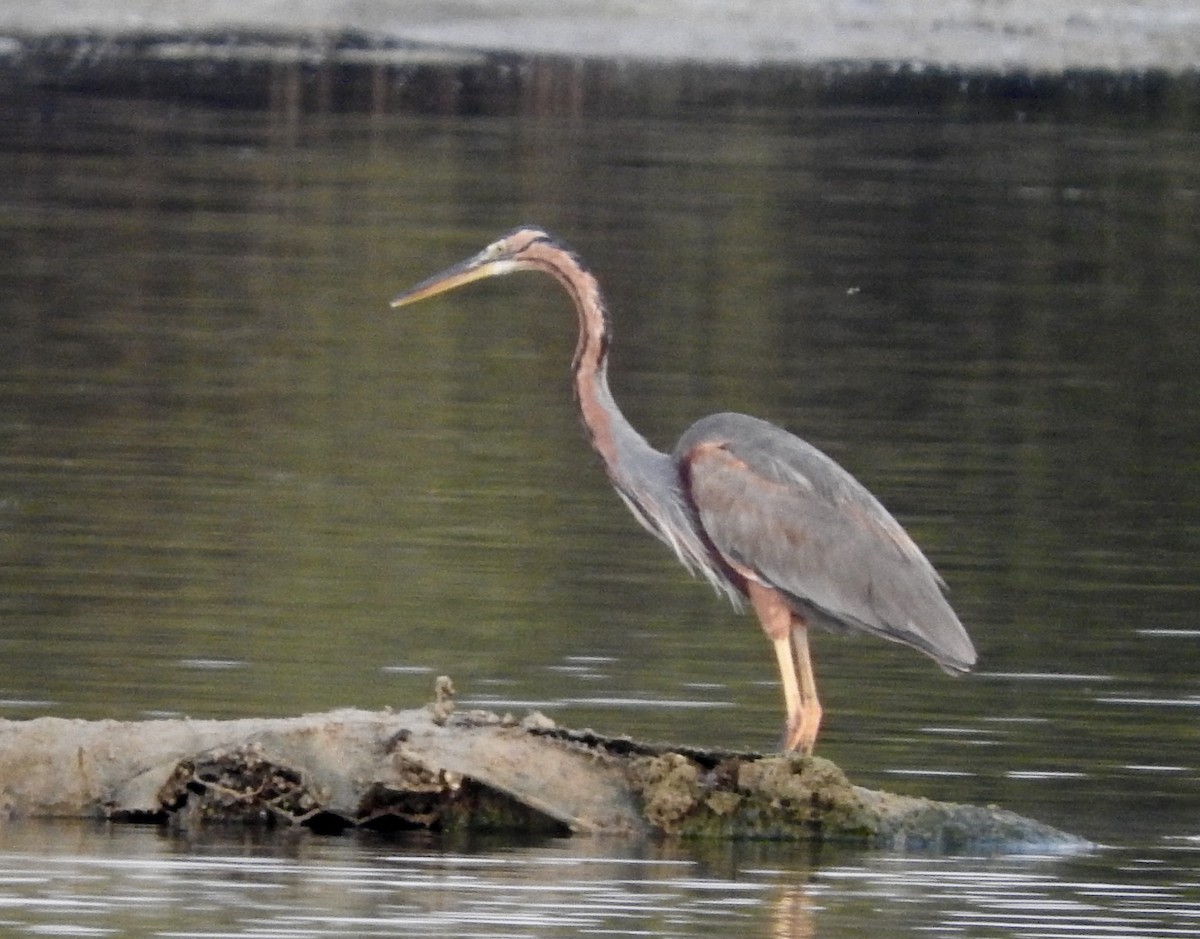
(761, 514)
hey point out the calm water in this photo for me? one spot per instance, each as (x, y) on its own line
(233, 482)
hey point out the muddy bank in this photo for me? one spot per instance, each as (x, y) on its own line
(433, 768)
(1011, 35)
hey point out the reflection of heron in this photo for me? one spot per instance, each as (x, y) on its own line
(757, 511)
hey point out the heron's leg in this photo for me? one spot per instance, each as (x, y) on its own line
(776, 618)
(804, 737)
(791, 691)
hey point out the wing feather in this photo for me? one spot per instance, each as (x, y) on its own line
(776, 507)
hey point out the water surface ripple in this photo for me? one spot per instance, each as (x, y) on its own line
(232, 482)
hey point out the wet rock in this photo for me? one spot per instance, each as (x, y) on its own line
(796, 798)
(441, 769)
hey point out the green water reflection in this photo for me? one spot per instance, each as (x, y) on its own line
(233, 482)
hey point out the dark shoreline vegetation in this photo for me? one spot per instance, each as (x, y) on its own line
(351, 72)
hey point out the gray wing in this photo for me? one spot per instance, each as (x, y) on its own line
(777, 507)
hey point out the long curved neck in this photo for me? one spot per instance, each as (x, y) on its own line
(608, 428)
(610, 432)
(645, 478)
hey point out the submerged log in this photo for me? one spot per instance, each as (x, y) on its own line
(437, 769)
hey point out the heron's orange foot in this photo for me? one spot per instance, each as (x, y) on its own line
(798, 738)
(800, 734)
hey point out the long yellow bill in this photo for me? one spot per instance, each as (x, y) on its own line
(465, 272)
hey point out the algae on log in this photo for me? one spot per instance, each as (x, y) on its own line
(432, 768)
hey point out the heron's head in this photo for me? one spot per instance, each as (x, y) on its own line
(516, 251)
